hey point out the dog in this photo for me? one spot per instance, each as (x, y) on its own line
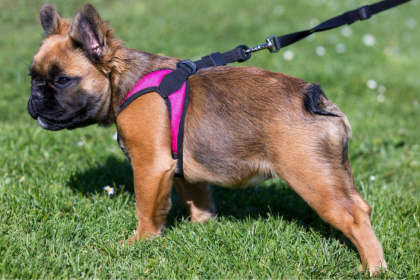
(242, 125)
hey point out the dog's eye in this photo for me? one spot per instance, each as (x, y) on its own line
(63, 80)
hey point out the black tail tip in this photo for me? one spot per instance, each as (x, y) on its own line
(313, 103)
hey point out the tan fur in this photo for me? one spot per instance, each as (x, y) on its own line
(151, 160)
(196, 198)
(243, 125)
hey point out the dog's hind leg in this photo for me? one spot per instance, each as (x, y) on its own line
(197, 199)
(316, 166)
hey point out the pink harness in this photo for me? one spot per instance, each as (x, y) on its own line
(176, 102)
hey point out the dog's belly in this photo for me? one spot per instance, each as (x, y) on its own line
(228, 172)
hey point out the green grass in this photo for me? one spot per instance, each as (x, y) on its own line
(56, 221)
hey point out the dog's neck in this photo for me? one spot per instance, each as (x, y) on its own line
(128, 67)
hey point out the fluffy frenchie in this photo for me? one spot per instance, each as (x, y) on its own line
(242, 125)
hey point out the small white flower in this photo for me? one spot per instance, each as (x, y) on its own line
(372, 177)
(369, 40)
(372, 84)
(381, 89)
(115, 136)
(346, 31)
(22, 179)
(109, 190)
(411, 22)
(340, 48)
(380, 98)
(314, 22)
(321, 51)
(80, 143)
(288, 55)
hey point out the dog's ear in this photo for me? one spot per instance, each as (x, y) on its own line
(50, 20)
(89, 32)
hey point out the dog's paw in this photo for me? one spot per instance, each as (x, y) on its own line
(128, 242)
(147, 236)
(131, 240)
(202, 216)
(375, 270)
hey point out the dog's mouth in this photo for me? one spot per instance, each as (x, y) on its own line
(53, 125)
(59, 124)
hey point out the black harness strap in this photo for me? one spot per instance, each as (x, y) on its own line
(220, 59)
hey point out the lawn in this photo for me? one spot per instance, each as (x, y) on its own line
(56, 221)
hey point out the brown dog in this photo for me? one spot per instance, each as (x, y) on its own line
(242, 125)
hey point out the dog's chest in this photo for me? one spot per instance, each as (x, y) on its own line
(176, 102)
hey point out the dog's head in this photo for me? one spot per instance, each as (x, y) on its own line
(70, 84)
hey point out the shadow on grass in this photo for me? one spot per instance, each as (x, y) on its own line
(273, 199)
(114, 172)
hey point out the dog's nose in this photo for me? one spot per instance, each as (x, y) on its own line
(37, 88)
(37, 94)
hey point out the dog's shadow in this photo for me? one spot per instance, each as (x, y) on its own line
(273, 198)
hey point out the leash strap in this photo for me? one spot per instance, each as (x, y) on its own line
(362, 13)
(273, 43)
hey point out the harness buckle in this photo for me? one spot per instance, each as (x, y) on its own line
(191, 66)
(365, 12)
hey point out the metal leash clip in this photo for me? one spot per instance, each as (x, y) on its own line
(271, 45)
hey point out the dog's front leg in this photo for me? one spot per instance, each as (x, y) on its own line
(152, 187)
(146, 136)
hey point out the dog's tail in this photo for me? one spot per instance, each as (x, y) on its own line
(314, 101)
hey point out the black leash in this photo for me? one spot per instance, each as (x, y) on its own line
(273, 44)
(363, 13)
(174, 80)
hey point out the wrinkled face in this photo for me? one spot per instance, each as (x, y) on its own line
(68, 89)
